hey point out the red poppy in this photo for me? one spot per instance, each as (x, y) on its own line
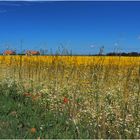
(65, 100)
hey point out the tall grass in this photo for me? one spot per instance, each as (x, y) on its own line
(80, 97)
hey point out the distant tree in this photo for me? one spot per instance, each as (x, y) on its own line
(134, 54)
(123, 54)
(111, 54)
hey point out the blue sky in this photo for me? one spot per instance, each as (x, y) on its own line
(82, 27)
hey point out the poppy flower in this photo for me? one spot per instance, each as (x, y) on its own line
(65, 100)
(33, 130)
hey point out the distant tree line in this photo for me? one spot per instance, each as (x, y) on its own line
(123, 54)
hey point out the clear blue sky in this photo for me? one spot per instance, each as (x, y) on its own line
(81, 26)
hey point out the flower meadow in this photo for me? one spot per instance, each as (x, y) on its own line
(69, 97)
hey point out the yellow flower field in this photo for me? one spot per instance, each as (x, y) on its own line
(32, 66)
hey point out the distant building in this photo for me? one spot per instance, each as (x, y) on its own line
(32, 53)
(9, 52)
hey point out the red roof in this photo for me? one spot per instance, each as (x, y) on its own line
(9, 52)
(33, 52)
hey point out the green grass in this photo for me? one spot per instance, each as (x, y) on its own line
(18, 114)
(18, 117)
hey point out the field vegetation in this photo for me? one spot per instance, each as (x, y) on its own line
(69, 97)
